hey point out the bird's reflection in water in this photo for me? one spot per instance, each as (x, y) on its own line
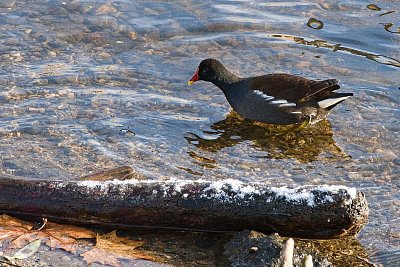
(312, 143)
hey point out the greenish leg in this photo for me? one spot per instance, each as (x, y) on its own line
(298, 127)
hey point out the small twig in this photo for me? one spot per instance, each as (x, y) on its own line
(44, 224)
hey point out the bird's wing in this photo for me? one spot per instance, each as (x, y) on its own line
(291, 88)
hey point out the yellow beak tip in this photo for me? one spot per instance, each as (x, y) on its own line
(190, 83)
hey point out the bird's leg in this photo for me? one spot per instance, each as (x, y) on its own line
(291, 129)
(277, 130)
(300, 126)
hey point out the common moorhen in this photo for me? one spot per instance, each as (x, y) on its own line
(273, 98)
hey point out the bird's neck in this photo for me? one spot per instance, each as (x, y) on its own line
(225, 79)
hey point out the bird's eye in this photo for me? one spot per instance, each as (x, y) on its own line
(205, 70)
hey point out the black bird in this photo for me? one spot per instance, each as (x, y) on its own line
(273, 98)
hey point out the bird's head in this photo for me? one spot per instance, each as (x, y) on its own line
(209, 70)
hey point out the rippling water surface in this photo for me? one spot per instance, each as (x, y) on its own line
(87, 85)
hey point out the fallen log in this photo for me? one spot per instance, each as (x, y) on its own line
(229, 205)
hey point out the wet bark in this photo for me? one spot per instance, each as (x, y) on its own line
(194, 205)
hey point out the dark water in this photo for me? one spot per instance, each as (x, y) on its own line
(87, 85)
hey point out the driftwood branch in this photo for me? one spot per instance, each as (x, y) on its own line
(308, 211)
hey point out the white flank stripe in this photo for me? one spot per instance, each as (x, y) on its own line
(296, 112)
(280, 101)
(330, 101)
(287, 105)
(266, 97)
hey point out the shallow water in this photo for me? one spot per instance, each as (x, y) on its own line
(88, 85)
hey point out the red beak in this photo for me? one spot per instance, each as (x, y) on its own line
(194, 78)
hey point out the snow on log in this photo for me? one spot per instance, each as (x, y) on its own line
(227, 205)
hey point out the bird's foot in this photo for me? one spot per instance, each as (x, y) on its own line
(298, 127)
(292, 129)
